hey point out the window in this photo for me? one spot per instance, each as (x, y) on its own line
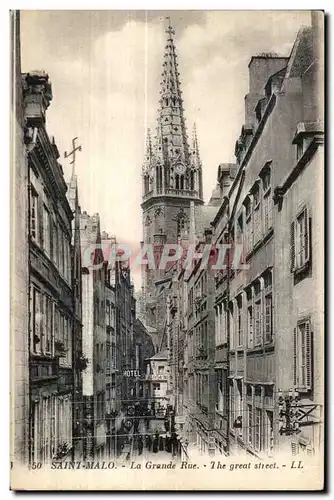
(217, 324)
(182, 225)
(250, 326)
(239, 230)
(267, 200)
(146, 184)
(67, 259)
(108, 358)
(51, 427)
(107, 313)
(269, 433)
(239, 323)
(232, 405)
(156, 387)
(258, 429)
(41, 323)
(221, 391)
(257, 214)
(232, 327)
(257, 314)
(204, 338)
(108, 392)
(302, 353)
(268, 308)
(250, 424)
(300, 149)
(238, 399)
(35, 321)
(249, 225)
(268, 318)
(46, 230)
(54, 243)
(48, 332)
(300, 241)
(221, 324)
(34, 215)
(61, 250)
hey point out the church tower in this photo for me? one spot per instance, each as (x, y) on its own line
(172, 178)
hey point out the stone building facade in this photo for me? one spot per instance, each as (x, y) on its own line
(245, 341)
(79, 361)
(94, 339)
(19, 265)
(268, 335)
(50, 333)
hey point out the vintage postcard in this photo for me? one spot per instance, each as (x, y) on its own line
(167, 232)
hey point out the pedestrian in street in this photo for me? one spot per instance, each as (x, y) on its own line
(168, 444)
(156, 442)
(148, 440)
(166, 422)
(140, 445)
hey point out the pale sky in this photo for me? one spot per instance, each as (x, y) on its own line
(105, 68)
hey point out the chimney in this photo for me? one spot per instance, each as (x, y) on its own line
(261, 67)
(37, 95)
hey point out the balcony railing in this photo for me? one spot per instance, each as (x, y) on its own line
(187, 193)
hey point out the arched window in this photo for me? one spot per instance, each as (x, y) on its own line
(182, 182)
(159, 177)
(166, 176)
(177, 182)
(182, 225)
(192, 180)
(167, 101)
(146, 184)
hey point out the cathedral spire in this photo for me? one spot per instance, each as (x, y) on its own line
(171, 167)
(171, 105)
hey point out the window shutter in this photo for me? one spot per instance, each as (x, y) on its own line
(40, 231)
(307, 236)
(295, 358)
(308, 346)
(292, 246)
(262, 315)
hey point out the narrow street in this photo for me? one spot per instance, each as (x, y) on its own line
(154, 442)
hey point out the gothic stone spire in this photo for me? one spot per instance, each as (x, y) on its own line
(171, 117)
(170, 167)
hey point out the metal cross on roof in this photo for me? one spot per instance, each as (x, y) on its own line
(72, 153)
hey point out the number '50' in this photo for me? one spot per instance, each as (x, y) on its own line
(36, 465)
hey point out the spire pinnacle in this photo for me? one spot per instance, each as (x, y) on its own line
(148, 144)
(195, 148)
(194, 138)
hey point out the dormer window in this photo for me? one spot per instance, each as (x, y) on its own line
(304, 135)
(300, 149)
